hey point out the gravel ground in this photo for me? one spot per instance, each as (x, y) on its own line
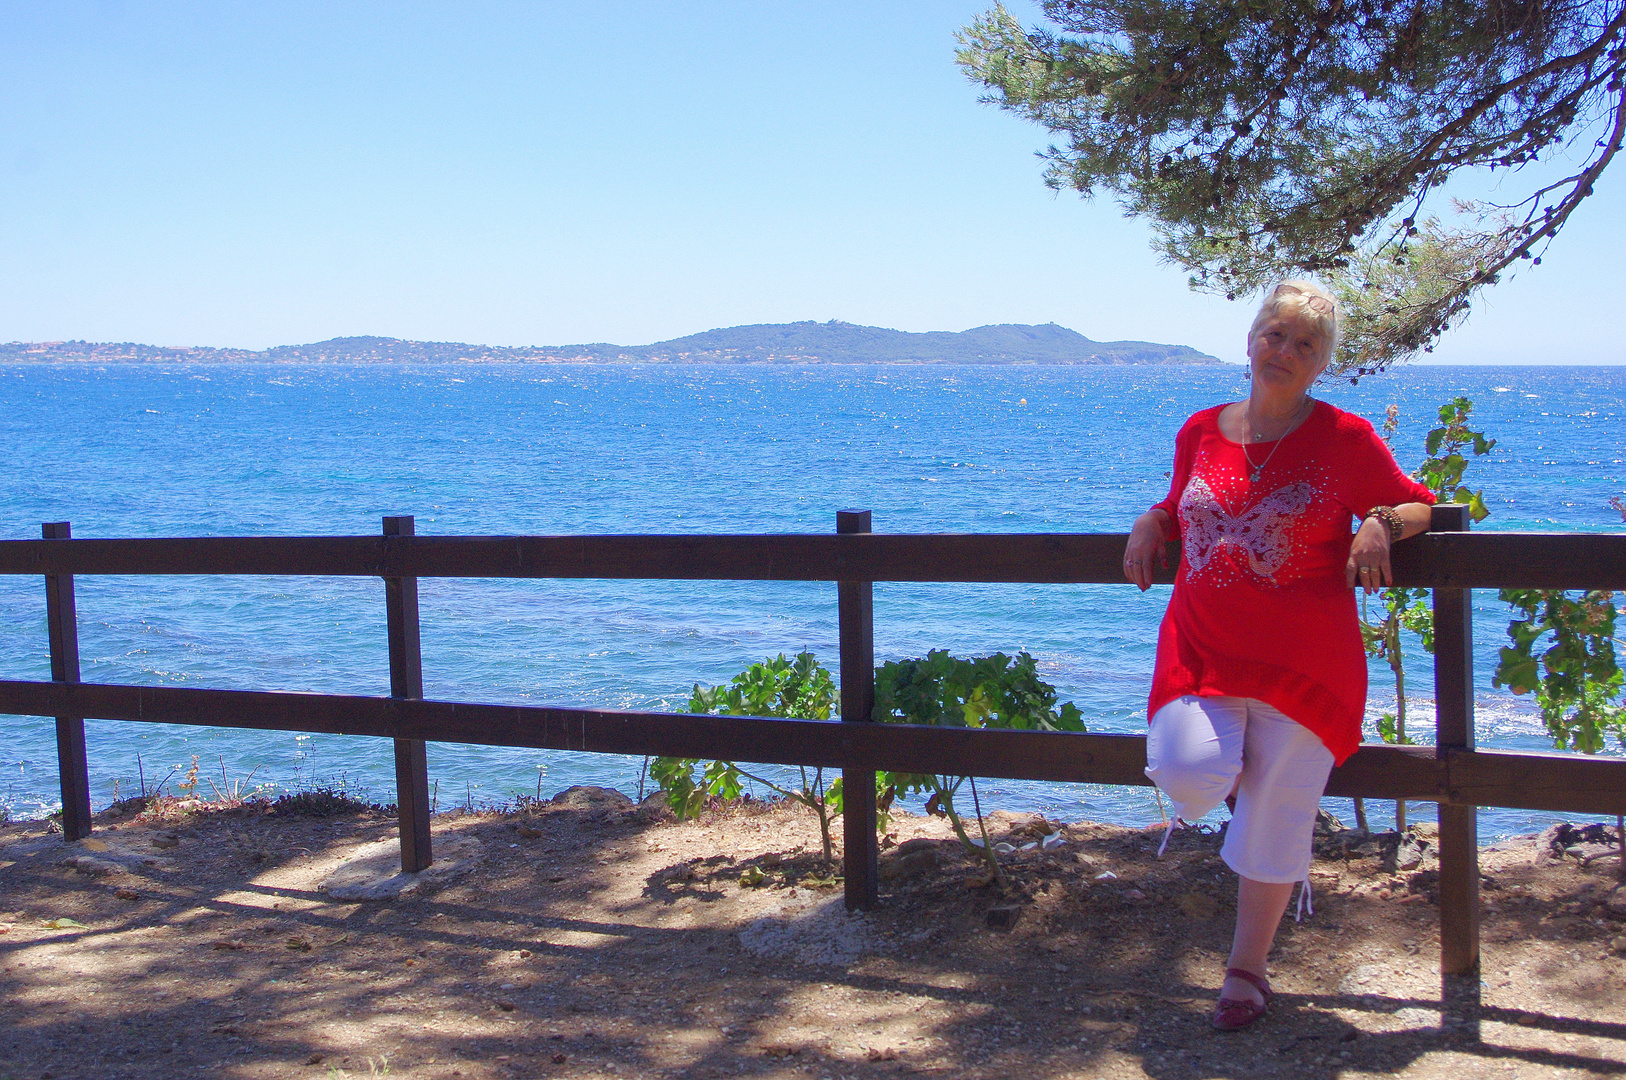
(592, 938)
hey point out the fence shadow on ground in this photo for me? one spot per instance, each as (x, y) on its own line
(605, 942)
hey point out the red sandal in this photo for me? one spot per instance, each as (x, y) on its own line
(1231, 1014)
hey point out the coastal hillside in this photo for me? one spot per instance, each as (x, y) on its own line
(831, 342)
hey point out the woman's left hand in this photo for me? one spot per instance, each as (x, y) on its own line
(1368, 565)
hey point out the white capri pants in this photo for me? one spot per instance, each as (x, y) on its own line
(1199, 746)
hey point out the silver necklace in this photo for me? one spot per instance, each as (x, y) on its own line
(1255, 470)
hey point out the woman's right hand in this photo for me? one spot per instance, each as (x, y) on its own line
(1147, 547)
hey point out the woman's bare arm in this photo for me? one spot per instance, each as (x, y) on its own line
(1368, 565)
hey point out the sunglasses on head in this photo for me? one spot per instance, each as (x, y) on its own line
(1317, 303)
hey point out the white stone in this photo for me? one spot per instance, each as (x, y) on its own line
(374, 872)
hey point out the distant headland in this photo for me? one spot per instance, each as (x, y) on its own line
(831, 342)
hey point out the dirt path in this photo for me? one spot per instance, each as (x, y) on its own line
(591, 939)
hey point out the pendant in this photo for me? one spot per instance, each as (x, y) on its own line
(1253, 477)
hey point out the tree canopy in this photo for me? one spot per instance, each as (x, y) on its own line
(1263, 138)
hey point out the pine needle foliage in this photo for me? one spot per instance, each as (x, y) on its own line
(1269, 138)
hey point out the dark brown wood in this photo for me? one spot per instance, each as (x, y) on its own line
(1108, 759)
(1434, 560)
(1454, 711)
(1559, 782)
(1459, 889)
(62, 627)
(1488, 560)
(855, 602)
(1376, 771)
(406, 683)
(1519, 780)
(1453, 670)
(1562, 783)
(1061, 557)
(1449, 559)
(342, 556)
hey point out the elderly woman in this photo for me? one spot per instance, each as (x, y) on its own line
(1260, 683)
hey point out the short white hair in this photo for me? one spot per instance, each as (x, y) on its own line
(1296, 297)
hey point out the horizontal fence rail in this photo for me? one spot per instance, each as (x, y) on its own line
(1518, 780)
(1433, 560)
(1450, 560)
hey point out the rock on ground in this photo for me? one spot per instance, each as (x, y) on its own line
(587, 938)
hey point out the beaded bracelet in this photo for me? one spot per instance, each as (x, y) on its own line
(1391, 518)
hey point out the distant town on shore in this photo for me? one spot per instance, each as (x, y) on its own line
(831, 342)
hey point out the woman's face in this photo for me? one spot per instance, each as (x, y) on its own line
(1284, 353)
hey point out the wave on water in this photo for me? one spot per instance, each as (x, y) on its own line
(516, 449)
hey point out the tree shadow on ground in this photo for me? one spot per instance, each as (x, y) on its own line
(604, 941)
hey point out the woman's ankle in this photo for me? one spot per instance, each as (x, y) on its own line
(1236, 988)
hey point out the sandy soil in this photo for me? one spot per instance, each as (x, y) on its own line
(589, 938)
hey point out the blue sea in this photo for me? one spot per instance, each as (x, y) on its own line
(132, 451)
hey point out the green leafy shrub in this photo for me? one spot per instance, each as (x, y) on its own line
(1575, 678)
(1442, 471)
(799, 689)
(1563, 648)
(995, 691)
(1410, 609)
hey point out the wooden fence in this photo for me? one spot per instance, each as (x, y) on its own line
(1450, 560)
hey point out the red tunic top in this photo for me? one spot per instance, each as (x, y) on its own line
(1260, 608)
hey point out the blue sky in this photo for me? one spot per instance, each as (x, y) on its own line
(255, 174)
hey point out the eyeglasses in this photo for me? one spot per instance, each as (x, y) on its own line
(1317, 303)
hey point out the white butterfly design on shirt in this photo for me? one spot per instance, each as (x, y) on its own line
(1260, 532)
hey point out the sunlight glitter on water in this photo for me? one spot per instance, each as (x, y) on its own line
(328, 450)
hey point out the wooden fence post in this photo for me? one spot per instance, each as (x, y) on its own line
(406, 681)
(1454, 710)
(856, 610)
(62, 626)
